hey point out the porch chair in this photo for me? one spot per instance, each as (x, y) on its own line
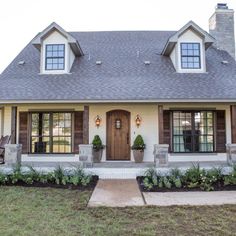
(3, 141)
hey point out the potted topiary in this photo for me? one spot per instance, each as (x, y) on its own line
(97, 149)
(138, 149)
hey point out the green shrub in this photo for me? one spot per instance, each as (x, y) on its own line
(44, 178)
(194, 177)
(151, 173)
(166, 182)
(138, 143)
(16, 175)
(175, 177)
(85, 180)
(176, 173)
(97, 143)
(78, 176)
(58, 176)
(231, 178)
(160, 183)
(3, 178)
(177, 183)
(147, 183)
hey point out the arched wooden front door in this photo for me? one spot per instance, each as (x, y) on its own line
(118, 135)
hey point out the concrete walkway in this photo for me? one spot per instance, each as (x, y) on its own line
(190, 198)
(125, 192)
(116, 193)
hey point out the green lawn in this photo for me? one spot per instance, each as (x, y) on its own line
(45, 211)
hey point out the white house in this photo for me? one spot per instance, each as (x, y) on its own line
(176, 88)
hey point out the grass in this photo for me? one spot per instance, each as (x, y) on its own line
(47, 211)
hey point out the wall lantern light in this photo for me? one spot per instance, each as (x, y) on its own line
(138, 120)
(98, 121)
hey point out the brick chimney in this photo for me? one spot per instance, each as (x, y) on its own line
(221, 27)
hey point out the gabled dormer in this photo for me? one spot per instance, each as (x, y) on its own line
(58, 50)
(187, 47)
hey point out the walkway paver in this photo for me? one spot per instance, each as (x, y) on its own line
(116, 193)
(190, 198)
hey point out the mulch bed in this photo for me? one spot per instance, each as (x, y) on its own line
(217, 187)
(80, 187)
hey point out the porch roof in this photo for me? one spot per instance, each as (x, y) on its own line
(123, 75)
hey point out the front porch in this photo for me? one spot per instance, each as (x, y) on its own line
(200, 130)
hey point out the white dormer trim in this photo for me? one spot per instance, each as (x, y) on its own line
(190, 33)
(52, 35)
(56, 38)
(74, 44)
(208, 39)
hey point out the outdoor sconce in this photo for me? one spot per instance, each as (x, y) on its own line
(98, 121)
(138, 120)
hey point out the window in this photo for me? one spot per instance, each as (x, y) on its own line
(193, 131)
(51, 132)
(55, 57)
(190, 56)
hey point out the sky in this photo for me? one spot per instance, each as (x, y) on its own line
(21, 20)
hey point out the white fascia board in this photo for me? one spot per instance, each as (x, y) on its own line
(118, 101)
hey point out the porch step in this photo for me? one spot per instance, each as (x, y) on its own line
(116, 173)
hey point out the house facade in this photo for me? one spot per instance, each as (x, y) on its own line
(171, 87)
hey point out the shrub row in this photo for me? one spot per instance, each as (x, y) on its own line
(59, 177)
(194, 177)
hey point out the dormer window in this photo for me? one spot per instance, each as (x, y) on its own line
(190, 56)
(187, 48)
(58, 50)
(55, 57)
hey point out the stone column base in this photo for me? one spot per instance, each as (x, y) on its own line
(86, 154)
(161, 155)
(231, 153)
(13, 154)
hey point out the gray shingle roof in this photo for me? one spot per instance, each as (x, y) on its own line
(122, 75)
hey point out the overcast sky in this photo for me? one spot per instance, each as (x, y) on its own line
(21, 20)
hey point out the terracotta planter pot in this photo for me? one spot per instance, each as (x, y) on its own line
(97, 156)
(138, 156)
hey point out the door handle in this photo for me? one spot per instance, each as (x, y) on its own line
(127, 138)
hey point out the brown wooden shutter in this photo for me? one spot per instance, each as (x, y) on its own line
(78, 130)
(167, 128)
(86, 125)
(233, 123)
(220, 131)
(23, 132)
(13, 124)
